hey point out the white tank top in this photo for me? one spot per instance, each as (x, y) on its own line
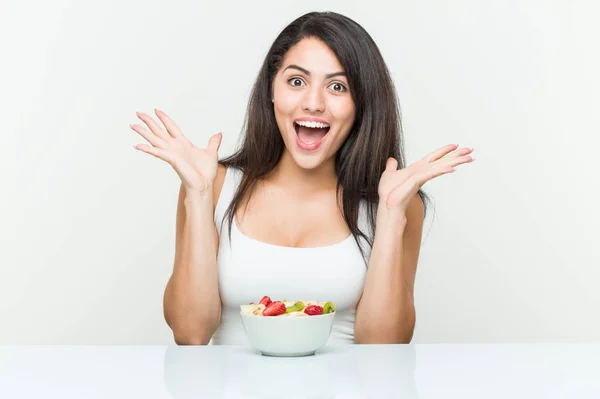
(249, 269)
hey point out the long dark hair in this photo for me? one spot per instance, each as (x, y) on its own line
(375, 135)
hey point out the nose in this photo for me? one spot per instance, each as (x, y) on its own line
(314, 100)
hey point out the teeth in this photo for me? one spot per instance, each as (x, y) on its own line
(312, 124)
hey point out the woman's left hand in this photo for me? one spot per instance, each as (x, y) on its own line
(397, 187)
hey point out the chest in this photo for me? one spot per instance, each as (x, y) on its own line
(286, 219)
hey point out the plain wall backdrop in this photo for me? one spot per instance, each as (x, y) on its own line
(87, 228)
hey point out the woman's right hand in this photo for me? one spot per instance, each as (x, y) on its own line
(197, 167)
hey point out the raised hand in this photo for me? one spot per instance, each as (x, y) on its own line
(197, 167)
(397, 187)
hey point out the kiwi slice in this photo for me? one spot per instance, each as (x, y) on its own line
(296, 307)
(329, 307)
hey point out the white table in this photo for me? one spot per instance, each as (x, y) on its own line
(356, 371)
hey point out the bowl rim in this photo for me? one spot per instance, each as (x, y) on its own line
(278, 317)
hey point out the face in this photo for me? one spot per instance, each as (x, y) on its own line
(312, 102)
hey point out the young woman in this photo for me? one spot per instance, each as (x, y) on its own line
(316, 204)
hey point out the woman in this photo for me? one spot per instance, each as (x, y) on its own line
(317, 204)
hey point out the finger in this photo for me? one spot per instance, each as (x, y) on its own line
(153, 126)
(461, 160)
(215, 141)
(391, 164)
(438, 172)
(156, 152)
(149, 136)
(428, 175)
(172, 128)
(439, 153)
(463, 151)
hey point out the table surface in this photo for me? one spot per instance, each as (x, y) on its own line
(351, 371)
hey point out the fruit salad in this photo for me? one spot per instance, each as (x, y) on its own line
(300, 308)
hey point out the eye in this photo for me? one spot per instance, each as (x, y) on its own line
(296, 82)
(337, 86)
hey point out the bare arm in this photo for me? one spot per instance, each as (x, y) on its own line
(386, 312)
(192, 304)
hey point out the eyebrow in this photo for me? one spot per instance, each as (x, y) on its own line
(306, 72)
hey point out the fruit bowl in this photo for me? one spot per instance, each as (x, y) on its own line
(294, 333)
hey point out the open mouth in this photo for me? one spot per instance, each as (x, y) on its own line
(310, 134)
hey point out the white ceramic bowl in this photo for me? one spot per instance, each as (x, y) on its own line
(288, 336)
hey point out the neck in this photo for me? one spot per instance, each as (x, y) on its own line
(288, 174)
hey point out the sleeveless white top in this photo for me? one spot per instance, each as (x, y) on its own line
(249, 269)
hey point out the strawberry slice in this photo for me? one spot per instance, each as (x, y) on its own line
(266, 300)
(313, 310)
(274, 309)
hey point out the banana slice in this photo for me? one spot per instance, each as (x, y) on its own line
(255, 309)
(313, 302)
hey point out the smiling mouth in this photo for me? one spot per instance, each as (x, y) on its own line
(310, 136)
